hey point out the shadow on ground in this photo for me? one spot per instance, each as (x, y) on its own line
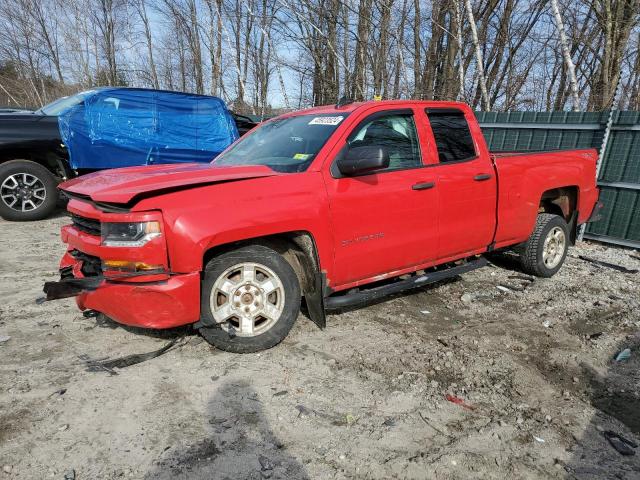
(239, 443)
(615, 395)
(102, 321)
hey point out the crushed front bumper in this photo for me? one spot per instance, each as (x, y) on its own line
(166, 304)
(162, 304)
(155, 298)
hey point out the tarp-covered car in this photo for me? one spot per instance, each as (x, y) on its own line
(104, 128)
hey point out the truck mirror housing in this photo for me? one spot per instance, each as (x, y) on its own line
(359, 160)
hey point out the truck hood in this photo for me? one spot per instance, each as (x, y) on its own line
(122, 185)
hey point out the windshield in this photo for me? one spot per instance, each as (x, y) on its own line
(285, 145)
(56, 107)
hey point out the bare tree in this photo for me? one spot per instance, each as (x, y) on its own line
(141, 8)
(479, 62)
(265, 55)
(567, 56)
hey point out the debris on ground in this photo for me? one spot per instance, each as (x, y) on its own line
(623, 445)
(303, 411)
(62, 391)
(613, 266)
(466, 298)
(459, 401)
(265, 463)
(108, 365)
(623, 355)
(526, 278)
(4, 338)
(389, 422)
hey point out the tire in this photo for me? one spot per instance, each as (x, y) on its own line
(253, 279)
(545, 251)
(28, 191)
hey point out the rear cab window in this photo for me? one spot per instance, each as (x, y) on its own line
(452, 135)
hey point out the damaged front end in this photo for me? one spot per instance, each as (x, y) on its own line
(69, 287)
(117, 264)
(88, 276)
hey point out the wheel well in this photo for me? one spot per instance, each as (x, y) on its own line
(298, 248)
(560, 201)
(48, 158)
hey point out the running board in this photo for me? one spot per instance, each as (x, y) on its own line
(371, 294)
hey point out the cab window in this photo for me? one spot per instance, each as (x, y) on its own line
(452, 135)
(394, 132)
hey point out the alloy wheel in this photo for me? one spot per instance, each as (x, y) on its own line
(247, 299)
(23, 192)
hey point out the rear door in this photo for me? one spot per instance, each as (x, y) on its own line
(466, 184)
(386, 220)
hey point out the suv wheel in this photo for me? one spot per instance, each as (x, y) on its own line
(28, 191)
(252, 295)
(544, 253)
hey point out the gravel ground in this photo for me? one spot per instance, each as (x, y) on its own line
(372, 396)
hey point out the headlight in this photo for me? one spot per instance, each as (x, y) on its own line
(129, 234)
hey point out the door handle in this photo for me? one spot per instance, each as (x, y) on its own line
(423, 186)
(482, 177)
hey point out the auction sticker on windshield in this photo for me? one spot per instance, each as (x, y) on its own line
(326, 121)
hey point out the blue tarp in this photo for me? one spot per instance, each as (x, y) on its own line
(123, 127)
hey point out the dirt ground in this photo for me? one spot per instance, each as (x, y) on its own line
(366, 398)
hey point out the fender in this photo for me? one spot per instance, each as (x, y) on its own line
(211, 216)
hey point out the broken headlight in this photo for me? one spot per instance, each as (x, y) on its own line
(129, 234)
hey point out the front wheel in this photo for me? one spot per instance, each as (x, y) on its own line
(545, 251)
(28, 191)
(252, 296)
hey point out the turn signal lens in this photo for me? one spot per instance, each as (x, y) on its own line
(128, 266)
(151, 228)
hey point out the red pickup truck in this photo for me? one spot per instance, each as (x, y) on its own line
(338, 204)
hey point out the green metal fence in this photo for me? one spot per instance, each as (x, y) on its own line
(619, 178)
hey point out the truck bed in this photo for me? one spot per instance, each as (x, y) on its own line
(523, 177)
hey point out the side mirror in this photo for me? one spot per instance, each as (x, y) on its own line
(359, 160)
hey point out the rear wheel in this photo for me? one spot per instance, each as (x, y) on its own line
(545, 251)
(28, 191)
(252, 295)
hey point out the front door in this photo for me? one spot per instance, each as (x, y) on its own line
(386, 220)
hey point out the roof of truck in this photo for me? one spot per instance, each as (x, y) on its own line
(350, 107)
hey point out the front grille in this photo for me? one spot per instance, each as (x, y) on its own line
(87, 225)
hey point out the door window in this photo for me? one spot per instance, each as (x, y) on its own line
(396, 133)
(452, 135)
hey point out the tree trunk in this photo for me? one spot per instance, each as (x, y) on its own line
(479, 62)
(417, 52)
(571, 69)
(142, 12)
(362, 47)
